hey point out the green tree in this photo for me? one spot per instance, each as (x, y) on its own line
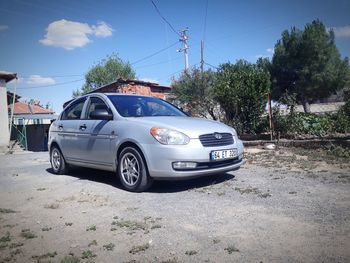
(106, 71)
(241, 89)
(195, 91)
(306, 65)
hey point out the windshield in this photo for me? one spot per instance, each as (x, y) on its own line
(138, 106)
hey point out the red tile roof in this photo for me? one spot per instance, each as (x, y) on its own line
(24, 108)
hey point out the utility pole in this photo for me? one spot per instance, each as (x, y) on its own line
(202, 56)
(184, 39)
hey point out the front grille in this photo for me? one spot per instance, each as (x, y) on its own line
(213, 139)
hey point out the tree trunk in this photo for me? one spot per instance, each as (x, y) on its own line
(306, 104)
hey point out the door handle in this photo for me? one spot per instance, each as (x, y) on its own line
(82, 127)
(60, 126)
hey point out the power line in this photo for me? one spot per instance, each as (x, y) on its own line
(155, 53)
(166, 21)
(211, 65)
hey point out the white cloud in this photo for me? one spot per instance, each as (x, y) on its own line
(270, 50)
(38, 80)
(4, 27)
(70, 35)
(342, 31)
(102, 29)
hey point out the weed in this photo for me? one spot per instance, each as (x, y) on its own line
(156, 226)
(27, 234)
(173, 260)
(41, 189)
(264, 195)
(131, 225)
(9, 226)
(109, 247)
(292, 193)
(46, 229)
(68, 224)
(92, 243)
(248, 190)
(45, 256)
(115, 217)
(70, 259)
(91, 228)
(6, 238)
(221, 193)
(191, 252)
(52, 206)
(16, 252)
(231, 249)
(15, 245)
(88, 254)
(113, 229)
(138, 249)
(6, 211)
(216, 240)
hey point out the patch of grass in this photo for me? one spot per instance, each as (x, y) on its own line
(138, 249)
(9, 226)
(3, 245)
(70, 259)
(41, 189)
(6, 238)
(113, 229)
(91, 228)
(15, 252)
(45, 256)
(231, 249)
(46, 229)
(156, 226)
(172, 260)
(248, 190)
(131, 225)
(109, 247)
(292, 193)
(6, 211)
(15, 245)
(191, 252)
(68, 224)
(88, 254)
(27, 234)
(264, 195)
(221, 193)
(115, 217)
(92, 243)
(52, 206)
(216, 240)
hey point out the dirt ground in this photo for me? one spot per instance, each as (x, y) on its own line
(284, 205)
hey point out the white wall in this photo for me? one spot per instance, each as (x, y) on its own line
(4, 122)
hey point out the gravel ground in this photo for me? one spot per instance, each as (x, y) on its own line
(282, 206)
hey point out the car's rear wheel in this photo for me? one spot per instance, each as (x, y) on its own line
(132, 170)
(58, 163)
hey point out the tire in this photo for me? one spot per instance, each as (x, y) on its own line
(132, 170)
(58, 163)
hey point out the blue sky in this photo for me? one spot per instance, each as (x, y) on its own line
(52, 44)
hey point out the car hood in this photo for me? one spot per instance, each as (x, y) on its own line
(192, 127)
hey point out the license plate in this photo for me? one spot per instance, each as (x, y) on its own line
(223, 154)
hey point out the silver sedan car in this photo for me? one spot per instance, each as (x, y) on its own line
(140, 138)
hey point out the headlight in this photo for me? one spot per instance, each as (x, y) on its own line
(167, 136)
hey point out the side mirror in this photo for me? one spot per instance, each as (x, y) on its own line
(101, 114)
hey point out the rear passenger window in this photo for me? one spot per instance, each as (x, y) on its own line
(74, 111)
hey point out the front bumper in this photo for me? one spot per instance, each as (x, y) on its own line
(160, 158)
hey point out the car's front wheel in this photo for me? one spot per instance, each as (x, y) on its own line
(58, 164)
(132, 170)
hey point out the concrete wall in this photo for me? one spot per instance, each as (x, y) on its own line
(4, 121)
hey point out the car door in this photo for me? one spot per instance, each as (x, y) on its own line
(95, 137)
(68, 128)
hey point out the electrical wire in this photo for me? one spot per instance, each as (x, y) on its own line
(166, 21)
(155, 53)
